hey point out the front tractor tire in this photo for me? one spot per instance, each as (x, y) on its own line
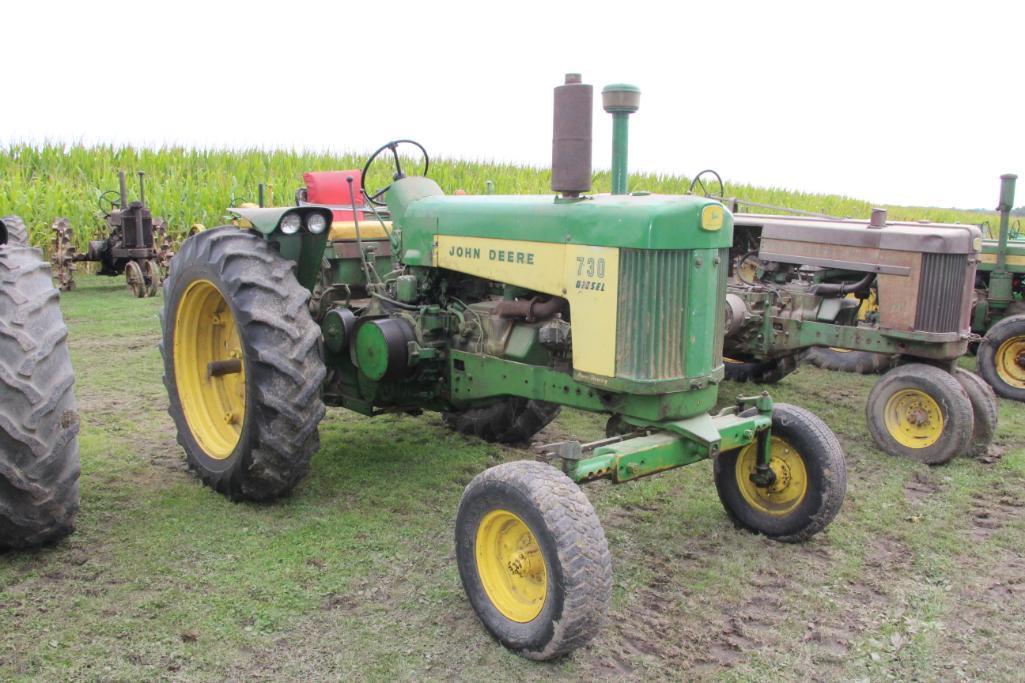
(921, 412)
(533, 559)
(810, 479)
(243, 364)
(39, 463)
(510, 420)
(1001, 358)
(984, 409)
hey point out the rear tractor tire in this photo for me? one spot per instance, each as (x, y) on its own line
(533, 559)
(1001, 358)
(39, 463)
(846, 360)
(759, 371)
(509, 420)
(921, 412)
(810, 482)
(243, 364)
(984, 409)
(13, 231)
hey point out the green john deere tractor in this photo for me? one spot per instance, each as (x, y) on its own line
(1000, 304)
(495, 311)
(38, 421)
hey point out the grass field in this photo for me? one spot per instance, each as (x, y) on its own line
(922, 575)
(187, 186)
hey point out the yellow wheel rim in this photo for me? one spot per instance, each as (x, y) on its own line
(913, 418)
(1010, 362)
(214, 401)
(791, 484)
(511, 566)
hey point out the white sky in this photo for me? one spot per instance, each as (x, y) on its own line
(896, 102)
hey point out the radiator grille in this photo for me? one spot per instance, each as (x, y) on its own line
(941, 292)
(650, 327)
(720, 318)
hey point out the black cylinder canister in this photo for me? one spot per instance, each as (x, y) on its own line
(571, 137)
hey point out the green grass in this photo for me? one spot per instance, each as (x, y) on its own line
(187, 186)
(353, 576)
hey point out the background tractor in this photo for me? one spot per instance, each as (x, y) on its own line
(1000, 304)
(38, 422)
(495, 311)
(885, 289)
(136, 245)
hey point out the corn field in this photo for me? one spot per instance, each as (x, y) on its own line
(187, 186)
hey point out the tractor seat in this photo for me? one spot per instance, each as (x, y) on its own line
(330, 188)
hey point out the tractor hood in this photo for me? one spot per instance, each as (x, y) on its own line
(638, 221)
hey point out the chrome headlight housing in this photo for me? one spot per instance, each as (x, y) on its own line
(291, 223)
(316, 223)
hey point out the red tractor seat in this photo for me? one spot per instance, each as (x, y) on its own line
(331, 188)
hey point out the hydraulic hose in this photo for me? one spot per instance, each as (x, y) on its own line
(829, 289)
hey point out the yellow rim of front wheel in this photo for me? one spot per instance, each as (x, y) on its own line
(209, 369)
(1010, 362)
(790, 487)
(913, 418)
(511, 566)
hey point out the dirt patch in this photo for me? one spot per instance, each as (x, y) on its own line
(919, 488)
(991, 510)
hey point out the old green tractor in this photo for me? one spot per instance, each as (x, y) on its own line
(1000, 304)
(802, 282)
(38, 421)
(495, 311)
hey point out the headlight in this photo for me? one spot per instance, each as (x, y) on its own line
(316, 223)
(291, 223)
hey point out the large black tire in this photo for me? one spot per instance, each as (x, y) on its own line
(281, 358)
(1001, 358)
(39, 463)
(13, 231)
(509, 420)
(804, 450)
(860, 362)
(559, 541)
(919, 411)
(759, 371)
(984, 409)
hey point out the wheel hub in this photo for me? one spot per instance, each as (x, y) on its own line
(1010, 362)
(209, 369)
(913, 418)
(790, 484)
(511, 566)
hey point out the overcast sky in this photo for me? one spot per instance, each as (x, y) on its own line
(896, 102)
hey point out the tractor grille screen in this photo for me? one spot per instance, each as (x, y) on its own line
(652, 299)
(720, 319)
(941, 292)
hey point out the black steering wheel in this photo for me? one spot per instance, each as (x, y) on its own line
(393, 146)
(699, 181)
(109, 201)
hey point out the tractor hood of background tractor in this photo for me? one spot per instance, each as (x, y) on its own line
(641, 221)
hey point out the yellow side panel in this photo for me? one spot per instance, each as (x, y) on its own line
(368, 230)
(588, 277)
(1012, 259)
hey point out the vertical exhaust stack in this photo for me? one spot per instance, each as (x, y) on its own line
(620, 100)
(571, 137)
(123, 189)
(1007, 182)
